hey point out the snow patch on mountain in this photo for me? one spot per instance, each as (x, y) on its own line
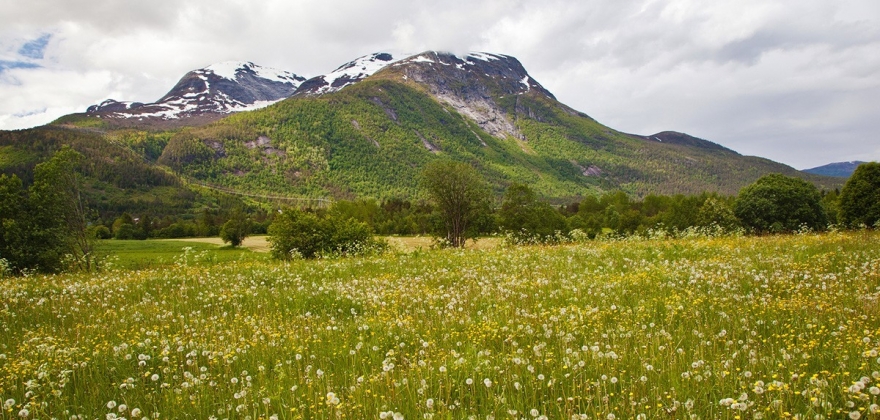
(221, 88)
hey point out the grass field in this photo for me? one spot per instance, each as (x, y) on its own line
(137, 255)
(712, 328)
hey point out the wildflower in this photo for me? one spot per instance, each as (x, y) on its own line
(24, 413)
(397, 416)
(469, 381)
(855, 415)
(429, 403)
(332, 399)
(154, 378)
(534, 412)
(8, 403)
(135, 412)
(111, 405)
(487, 382)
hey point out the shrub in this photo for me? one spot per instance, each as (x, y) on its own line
(295, 233)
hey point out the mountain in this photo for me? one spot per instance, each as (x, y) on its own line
(367, 129)
(213, 91)
(837, 169)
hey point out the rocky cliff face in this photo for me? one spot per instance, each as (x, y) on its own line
(473, 85)
(218, 89)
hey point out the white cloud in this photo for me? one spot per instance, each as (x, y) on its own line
(794, 81)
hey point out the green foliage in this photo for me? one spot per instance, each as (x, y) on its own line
(460, 195)
(860, 197)
(715, 212)
(46, 228)
(236, 228)
(528, 219)
(777, 203)
(298, 234)
(184, 149)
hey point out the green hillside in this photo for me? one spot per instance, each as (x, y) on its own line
(373, 138)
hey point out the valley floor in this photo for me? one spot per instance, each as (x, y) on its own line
(755, 327)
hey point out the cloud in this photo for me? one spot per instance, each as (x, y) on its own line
(794, 81)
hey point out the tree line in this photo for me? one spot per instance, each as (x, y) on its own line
(48, 227)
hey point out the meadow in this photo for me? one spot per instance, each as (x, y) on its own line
(710, 328)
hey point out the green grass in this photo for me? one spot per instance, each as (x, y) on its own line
(154, 253)
(711, 328)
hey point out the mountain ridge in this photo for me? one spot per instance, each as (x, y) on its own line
(836, 169)
(219, 89)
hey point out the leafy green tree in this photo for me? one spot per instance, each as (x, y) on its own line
(831, 204)
(715, 212)
(777, 203)
(57, 191)
(460, 195)
(46, 228)
(236, 228)
(528, 218)
(860, 196)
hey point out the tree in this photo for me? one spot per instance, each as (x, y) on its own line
(528, 218)
(47, 226)
(715, 212)
(859, 202)
(57, 192)
(236, 228)
(777, 203)
(460, 195)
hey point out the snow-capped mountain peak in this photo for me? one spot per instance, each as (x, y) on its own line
(349, 73)
(218, 89)
(233, 69)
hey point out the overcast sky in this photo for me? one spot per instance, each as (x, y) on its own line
(794, 81)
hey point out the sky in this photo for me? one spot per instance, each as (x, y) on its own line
(795, 81)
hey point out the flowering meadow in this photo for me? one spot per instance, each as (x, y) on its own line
(709, 328)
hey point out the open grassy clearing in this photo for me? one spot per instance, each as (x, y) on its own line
(138, 255)
(772, 327)
(398, 243)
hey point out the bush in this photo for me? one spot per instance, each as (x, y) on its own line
(777, 203)
(295, 233)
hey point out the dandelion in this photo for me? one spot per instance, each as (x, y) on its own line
(154, 377)
(469, 381)
(429, 403)
(135, 412)
(534, 412)
(24, 413)
(8, 403)
(332, 399)
(487, 382)
(855, 415)
(111, 405)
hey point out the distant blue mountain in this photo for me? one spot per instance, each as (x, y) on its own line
(838, 169)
